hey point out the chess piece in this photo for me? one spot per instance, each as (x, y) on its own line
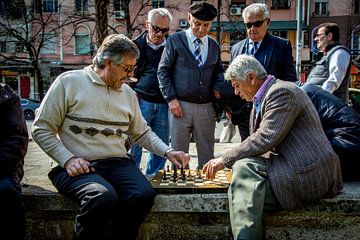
(189, 175)
(164, 177)
(168, 168)
(175, 172)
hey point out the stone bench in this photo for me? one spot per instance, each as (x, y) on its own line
(202, 216)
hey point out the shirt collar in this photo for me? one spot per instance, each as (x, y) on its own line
(261, 92)
(192, 37)
(153, 46)
(252, 42)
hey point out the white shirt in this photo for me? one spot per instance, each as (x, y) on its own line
(204, 47)
(338, 63)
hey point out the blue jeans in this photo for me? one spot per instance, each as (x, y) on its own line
(114, 199)
(156, 116)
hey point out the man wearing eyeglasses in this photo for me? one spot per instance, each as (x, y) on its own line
(332, 71)
(153, 107)
(274, 54)
(83, 124)
(189, 69)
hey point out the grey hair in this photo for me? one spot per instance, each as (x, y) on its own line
(159, 12)
(255, 9)
(115, 47)
(242, 65)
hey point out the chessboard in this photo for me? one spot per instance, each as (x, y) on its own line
(190, 181)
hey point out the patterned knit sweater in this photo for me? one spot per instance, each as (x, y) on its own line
(81, 116)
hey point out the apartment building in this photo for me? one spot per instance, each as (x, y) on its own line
(39, 39)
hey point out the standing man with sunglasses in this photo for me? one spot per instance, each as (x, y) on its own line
(189, 69)
(153, 107)
(274, 54)
(332, 71)
(83, 123)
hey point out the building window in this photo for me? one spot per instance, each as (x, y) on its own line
(321, 7)
(280, 4)
(283, 34)
(11, 10)
(119, 5)
(82, 43)
(82, 5)
(357, 7)
(158, 4)
(192, 1)
(2, 47)
(46, 6)
(49, 46)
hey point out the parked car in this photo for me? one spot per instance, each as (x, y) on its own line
(29, 106)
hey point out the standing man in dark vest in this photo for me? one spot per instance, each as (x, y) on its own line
(332, 71)
(189, 69)
(153, 107)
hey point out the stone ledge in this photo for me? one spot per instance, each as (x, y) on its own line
(203, 216)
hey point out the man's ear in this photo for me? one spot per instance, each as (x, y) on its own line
(147, 25)
(252, 77)
(330, 36)
(107, 63)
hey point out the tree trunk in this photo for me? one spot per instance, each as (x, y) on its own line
(101, 27)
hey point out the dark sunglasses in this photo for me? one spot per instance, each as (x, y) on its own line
(159, 29)
(255, 24)
(128, 68)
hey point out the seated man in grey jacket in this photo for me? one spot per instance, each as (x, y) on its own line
(286, 162)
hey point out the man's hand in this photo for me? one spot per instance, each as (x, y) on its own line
(175, 108)
(179, 158)
(212, 166)
(217, 94)
(77, 166)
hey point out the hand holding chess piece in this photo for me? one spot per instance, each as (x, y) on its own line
(178, 158)
(212, 166)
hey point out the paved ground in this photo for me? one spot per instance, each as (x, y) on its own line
(38, 164)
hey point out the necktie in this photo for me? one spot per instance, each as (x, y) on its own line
(197, 52)
(253, 47)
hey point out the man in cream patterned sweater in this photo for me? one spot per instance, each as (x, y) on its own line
(82, 124)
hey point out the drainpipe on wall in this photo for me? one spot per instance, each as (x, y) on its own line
(298, 41)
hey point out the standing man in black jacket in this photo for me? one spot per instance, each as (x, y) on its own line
(13, 147)
(274, 54)
(152, 104)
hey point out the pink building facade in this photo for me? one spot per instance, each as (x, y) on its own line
(73, 45)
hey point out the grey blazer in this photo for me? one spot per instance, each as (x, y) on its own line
(179, 75)
(302, 166)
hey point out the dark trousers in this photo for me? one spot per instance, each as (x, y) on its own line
(12, 215)
(114, 199)
(241, 119)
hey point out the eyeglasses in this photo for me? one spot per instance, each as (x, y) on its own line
(255, 24)
(159, 29)
(128, 68)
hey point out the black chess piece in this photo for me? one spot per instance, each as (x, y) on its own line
(164, 177)
(175, 172)
(168, 168)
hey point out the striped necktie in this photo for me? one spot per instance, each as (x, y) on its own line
(197, 52)
(253, 47)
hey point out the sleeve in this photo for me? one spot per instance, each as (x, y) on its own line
(47, 122)
(289, 71)
(142, 134)
(280, 112)
(165, 71)
(14, 135)
(218, 73)
(339, 62)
